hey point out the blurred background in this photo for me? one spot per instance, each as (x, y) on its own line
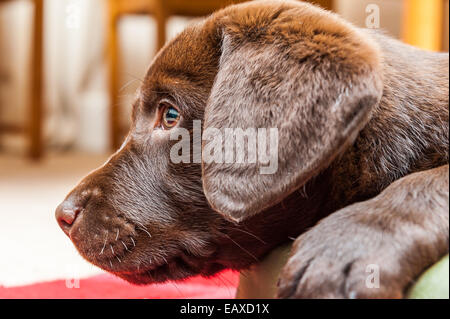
(69, 70)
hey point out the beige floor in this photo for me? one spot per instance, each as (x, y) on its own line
(32, 247)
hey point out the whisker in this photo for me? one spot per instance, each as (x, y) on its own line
(128, 84)
(243, 249)
(221, 279)
(142, 225)
(248, 233)
(117, 235)
(124, 245)
(112, 249)
(110, 262)
(118, 259)
(144, 230)
(224, 280)
(176, 287)
(135, 78)
(104, 244)
(134, 244)
(244, 274)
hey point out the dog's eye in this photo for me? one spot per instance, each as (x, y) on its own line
(170, 116)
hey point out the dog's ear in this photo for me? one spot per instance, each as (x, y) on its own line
(308, 78)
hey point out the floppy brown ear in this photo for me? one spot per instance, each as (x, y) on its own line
(297, 69)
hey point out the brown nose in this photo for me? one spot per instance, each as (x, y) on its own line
(66, 214)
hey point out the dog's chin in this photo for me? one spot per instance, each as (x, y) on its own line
(155, 276)
(174, 270)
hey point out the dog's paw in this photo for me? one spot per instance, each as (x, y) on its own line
(345, 256)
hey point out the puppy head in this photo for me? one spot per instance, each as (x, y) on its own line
(283, 65)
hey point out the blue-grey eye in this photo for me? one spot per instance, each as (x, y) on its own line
(170, 116)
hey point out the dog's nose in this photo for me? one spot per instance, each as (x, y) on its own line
(66, 214)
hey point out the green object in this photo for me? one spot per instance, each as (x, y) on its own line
(433, 284)
(259, 282)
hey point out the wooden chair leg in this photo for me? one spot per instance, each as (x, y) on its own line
(113, 65)
(1, 120)
(36, 109)
(326, 4)
(161, 23)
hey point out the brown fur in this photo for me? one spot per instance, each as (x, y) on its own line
(363, 123)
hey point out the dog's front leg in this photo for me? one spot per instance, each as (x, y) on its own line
(376, 248)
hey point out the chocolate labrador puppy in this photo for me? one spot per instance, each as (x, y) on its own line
(362, 127)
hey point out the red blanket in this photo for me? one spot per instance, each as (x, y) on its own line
(107, 286)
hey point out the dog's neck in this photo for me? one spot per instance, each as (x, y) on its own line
(293, 216)
(409, 129)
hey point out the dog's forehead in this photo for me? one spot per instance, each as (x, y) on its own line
(187, 55)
